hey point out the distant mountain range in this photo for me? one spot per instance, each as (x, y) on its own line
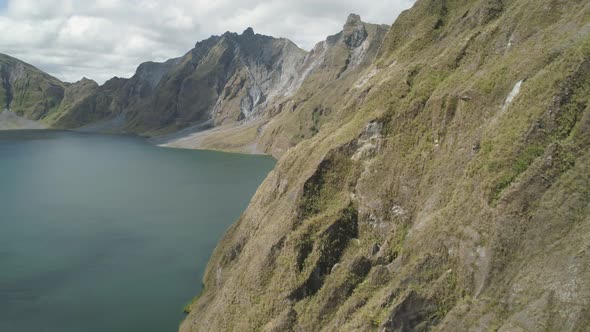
(227, 80)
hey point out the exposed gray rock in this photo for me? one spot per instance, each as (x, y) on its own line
(354, 33)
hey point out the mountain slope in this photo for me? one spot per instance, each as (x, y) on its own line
(27, 91)
(450, 193)
(298, 111)
(224, 79)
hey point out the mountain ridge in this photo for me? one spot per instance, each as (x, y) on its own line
(231, 80)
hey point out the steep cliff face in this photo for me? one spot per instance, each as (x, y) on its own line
(330, 70)
(224, 79)
(447, 190)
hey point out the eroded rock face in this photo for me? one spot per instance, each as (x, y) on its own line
(267, 99)
(467, 217)
(354, 32)
(224, 79)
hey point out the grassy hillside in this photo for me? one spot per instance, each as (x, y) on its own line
(448, 191)
(27, 91)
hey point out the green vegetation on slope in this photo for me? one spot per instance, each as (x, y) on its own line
(427, 199)
(27, 91)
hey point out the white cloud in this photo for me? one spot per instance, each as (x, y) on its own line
(100, 39)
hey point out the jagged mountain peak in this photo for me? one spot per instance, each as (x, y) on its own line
(353, 19)
(86, 80)
(354, 31)
(248, 32)
(228, 34)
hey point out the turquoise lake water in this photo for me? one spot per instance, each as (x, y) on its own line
(109, 233)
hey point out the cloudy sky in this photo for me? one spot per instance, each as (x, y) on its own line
(100, 39)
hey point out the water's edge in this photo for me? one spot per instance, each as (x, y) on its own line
(148, 142)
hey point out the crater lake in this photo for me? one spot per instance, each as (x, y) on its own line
(108, 232)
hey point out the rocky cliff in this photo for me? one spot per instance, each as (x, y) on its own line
(309, 99)
(446, 189)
